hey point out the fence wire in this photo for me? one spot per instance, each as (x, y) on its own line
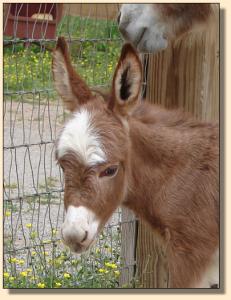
(34, 257)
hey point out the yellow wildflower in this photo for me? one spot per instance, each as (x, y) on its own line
(74, 261)
(33, 253)
(24, 273)
(29, 270)
(66, 275)
(113, 266)
(28, 225)
(21, 262)
(46, 253)
(58, 284)
(6, 275)
(107, 264)
(46, 241)
(41, 285)
(97, 250)
(13, 260)
(102, 271)
(117, 273)
(7, 213)
(34, 277)
(33, 235)
(54, 231)
(11, 278)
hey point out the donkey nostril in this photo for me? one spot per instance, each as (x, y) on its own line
(85, 237)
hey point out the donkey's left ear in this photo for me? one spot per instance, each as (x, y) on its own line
(70, 86)
(126, 81)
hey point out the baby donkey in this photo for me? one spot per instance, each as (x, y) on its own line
(160, 163)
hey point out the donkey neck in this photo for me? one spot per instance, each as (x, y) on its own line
(159, 150)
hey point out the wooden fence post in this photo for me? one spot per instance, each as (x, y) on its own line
(185, 75)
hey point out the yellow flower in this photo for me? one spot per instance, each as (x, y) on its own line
(46, 241)
(54, 231)
(66, 275)
(117, 273)
(12, 278)
(24, 273)
(34, 277)
(107, 264)
(28, 225)
(41, 285)
(46, 253)
(6, 275)
(33, 235)
(97, 250)
(58, 284)
(74, 261)
(111, 265)
(102, 271)
(29, 270)
(33, 253)
(21, 262)
(7, 213)
(13, 260)
(58, 262)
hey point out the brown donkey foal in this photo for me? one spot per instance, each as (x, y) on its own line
(161, 164)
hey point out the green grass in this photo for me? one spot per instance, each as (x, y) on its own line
(50, 183)
(95, 48)
(11, 186)
(54, 267)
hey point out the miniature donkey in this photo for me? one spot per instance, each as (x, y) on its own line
(161, 164)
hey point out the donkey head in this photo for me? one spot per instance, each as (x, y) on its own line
(93, 146)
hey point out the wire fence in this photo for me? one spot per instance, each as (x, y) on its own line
(34, 257)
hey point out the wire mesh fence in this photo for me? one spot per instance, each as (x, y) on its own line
(34, 257)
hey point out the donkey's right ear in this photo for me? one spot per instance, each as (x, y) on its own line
(127, 81)
(73, 90)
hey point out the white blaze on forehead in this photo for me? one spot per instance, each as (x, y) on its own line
(80, 136)
(78, 221)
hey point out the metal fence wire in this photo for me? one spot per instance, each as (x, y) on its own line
(34, 256)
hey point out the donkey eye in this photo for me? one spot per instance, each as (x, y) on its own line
(110, 171)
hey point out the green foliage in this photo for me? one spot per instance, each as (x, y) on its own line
(57, 268)
(95, 47)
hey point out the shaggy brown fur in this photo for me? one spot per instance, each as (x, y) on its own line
(183, 17)
(168, 170)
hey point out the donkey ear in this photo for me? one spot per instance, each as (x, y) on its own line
(68, 83)
(127, 81)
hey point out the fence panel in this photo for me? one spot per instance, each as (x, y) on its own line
(33, 117)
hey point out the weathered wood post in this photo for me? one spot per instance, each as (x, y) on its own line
(185, 75)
